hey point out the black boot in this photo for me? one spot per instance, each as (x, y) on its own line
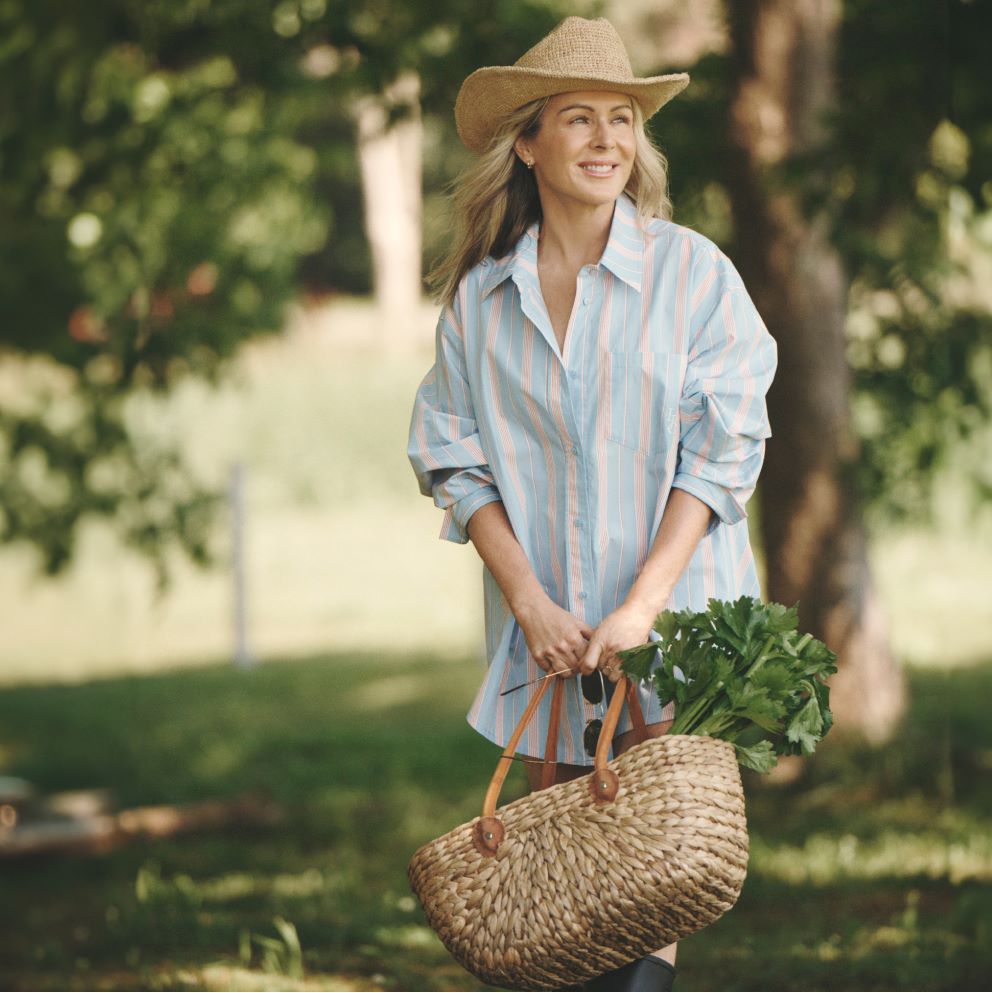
(646, 975)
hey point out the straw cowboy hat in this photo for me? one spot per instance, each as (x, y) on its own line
(579, 54)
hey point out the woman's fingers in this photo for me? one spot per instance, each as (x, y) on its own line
(555, 661)
(590, 660)
(557, 639)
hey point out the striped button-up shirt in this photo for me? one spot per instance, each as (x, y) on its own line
(661, 383)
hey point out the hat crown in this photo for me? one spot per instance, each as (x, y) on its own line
(580, 47)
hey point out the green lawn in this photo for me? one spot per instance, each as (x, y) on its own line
(872, 872)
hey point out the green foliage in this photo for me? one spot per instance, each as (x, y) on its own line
(741, 672)
(902, 185)
(281, 955)
(155, 203)
(169, 175)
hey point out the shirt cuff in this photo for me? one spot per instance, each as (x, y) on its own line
(454, 527)
(727, 508)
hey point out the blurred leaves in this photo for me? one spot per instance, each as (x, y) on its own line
(910, 207)
(169, 174)
(155, 204)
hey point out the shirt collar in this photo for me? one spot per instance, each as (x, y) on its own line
(623, 254)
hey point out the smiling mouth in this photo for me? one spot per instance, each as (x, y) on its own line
(597, 169)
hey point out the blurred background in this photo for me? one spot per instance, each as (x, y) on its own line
(234, 657)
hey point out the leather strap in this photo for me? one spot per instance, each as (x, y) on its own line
(503, 766)
(635, 711)
(551, 746)
(610, 722)
(625, 691)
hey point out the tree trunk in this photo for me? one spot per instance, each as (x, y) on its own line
(390, 157)
(814, 538)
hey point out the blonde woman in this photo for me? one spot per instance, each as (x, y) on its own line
(595, 419)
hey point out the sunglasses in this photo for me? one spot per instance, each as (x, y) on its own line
(593, 690)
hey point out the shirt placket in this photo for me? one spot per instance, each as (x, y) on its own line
(579, 551)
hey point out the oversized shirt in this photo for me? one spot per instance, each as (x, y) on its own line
(661, 384)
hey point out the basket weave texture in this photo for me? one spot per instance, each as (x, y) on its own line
(579, 887)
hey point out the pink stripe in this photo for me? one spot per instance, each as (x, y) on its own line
(649, 410)
(571, 493)
(702, 290)
(529, 408)
(681, 291)
(423, 449)
(710, 588)
(602, 414)
(507, 449)
(546, 450)
(627, 252)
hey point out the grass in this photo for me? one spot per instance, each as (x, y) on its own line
(870, 872)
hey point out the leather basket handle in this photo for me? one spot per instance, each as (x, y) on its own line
(604, 783)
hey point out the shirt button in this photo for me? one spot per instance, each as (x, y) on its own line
(485, 262)
(583, 595)
(587, 300)
(579, 523)
(575, 449)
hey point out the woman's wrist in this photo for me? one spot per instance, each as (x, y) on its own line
(644, 607)
(526, 598)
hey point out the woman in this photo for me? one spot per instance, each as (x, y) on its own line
(595, 419)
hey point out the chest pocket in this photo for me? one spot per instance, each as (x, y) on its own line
(641, 393)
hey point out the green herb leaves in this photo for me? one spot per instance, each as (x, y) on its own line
(740, 671)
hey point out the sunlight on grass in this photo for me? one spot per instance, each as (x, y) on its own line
(828, 859)
(221, 978)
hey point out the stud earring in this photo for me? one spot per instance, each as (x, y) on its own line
(530, 165)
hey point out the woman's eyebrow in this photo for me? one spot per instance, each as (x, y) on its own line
(582, 106)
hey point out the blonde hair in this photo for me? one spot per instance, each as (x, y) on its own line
(495, 200)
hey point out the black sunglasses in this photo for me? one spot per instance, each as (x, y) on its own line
(594, 690)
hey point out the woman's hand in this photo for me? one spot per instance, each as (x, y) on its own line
(556, 638)
(626, 627)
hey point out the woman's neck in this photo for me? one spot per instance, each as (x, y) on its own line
(573, 235)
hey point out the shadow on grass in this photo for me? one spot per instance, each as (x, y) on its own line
(870, 872)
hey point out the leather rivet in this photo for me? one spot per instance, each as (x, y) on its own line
(489, 836)
(603, 785)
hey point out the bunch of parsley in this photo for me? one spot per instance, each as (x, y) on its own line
(741, 671)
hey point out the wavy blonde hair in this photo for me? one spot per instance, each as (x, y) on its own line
(495, 200)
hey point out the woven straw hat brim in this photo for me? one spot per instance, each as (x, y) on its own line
(490, 93)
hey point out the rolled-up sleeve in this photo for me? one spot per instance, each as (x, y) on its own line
(445, 448)
(723, 414)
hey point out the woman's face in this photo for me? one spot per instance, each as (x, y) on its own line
(584, 149)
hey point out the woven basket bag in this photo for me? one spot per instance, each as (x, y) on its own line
(576, 879)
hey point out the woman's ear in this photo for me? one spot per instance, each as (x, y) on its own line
(520, 147)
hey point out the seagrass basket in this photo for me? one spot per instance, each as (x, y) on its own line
(580, 878)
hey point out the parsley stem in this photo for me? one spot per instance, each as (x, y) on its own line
(763, 657)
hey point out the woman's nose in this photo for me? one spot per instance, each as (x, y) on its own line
(602, 136)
